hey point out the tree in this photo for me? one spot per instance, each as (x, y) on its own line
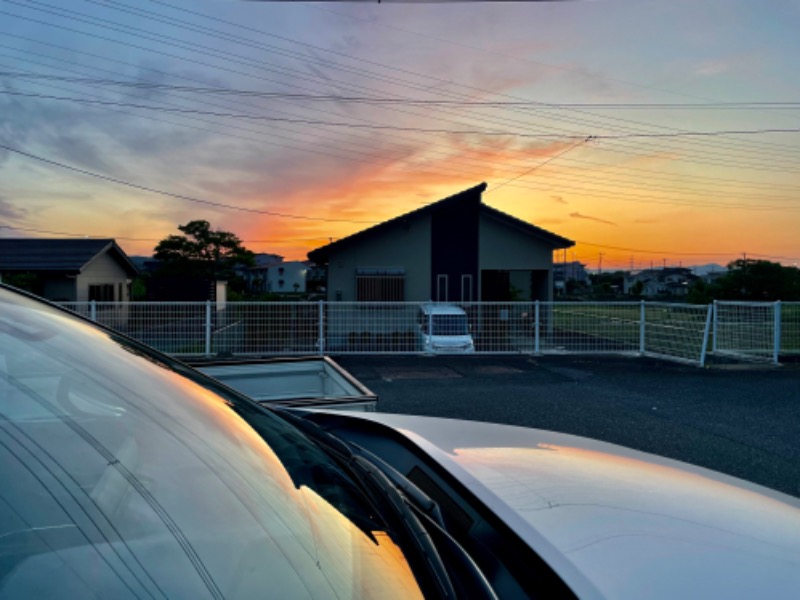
(203, 252)
(24, 281)
(758, 280)
(608, 284)
(700, 293)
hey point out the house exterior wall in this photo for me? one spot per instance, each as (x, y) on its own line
(281, 278)
(406, 245)
(506, 249)
(503, 247)
(454, 252)
(103, 269)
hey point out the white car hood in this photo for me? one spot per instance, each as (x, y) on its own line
(617, 523)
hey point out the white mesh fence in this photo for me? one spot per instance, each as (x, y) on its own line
(790, 328)
(373, 328)
(301, 328)
(748, 330)
(573, 327)
(266, 328)
(178, 328)
(679, 331)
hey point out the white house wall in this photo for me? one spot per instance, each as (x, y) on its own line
(506, 249)
(503, 248)
(294, 272)
(404, 245)
(102, 269)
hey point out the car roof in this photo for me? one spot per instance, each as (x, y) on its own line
(441, 309)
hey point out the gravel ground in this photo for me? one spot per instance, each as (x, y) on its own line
(741, 420)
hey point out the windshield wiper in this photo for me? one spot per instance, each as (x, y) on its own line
(421, 500)
(383, 493)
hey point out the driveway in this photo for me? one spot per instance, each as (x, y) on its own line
(744, 421)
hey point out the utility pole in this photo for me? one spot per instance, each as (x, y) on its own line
(744, 272)
(572, 263)
(600, 264)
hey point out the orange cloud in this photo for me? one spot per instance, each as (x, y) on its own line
(377, 192)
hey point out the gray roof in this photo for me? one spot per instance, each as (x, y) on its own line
(68, 256)
(473, 194)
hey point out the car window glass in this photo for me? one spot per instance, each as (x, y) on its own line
(132, 481)
(450, 325)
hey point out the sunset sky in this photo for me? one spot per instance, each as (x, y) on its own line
(294, 123)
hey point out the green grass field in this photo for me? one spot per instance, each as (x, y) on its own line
(671, 330)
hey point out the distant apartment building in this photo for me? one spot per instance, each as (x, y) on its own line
(566, 272)
(670, 281)
(278, 277)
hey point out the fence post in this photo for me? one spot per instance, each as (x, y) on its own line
(321, 328)
(642, 323)
(208, 328)
(93, 310)
(715, 332)
(776, 351)
(429, 350)
(536, 320)
(712, 312)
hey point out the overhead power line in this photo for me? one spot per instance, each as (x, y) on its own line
(620, 136)
(320, 132)
(191, 26)
(266, 66)
(747, 161)
(582, 136)
(323, 238)
(618, 194)
(541, 164)
(178, 196)
(759, 105)
(135, 239)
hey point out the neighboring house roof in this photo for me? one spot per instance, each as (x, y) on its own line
(68, 256)
(267, 260)
(322, 254)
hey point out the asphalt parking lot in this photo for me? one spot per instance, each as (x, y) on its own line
(741, 420)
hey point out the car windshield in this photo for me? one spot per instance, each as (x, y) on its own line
(124, 478)
(450, 325)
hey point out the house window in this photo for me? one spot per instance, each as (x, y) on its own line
(380, 285)
(103, 292)
(466, 288)
(441, 288)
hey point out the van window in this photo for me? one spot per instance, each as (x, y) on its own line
(450, 325)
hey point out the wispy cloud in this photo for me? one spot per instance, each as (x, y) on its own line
(712, 67)
(558, 200)
(10, 211)
(577, 215)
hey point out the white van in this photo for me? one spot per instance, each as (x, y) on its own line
(443, 329)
